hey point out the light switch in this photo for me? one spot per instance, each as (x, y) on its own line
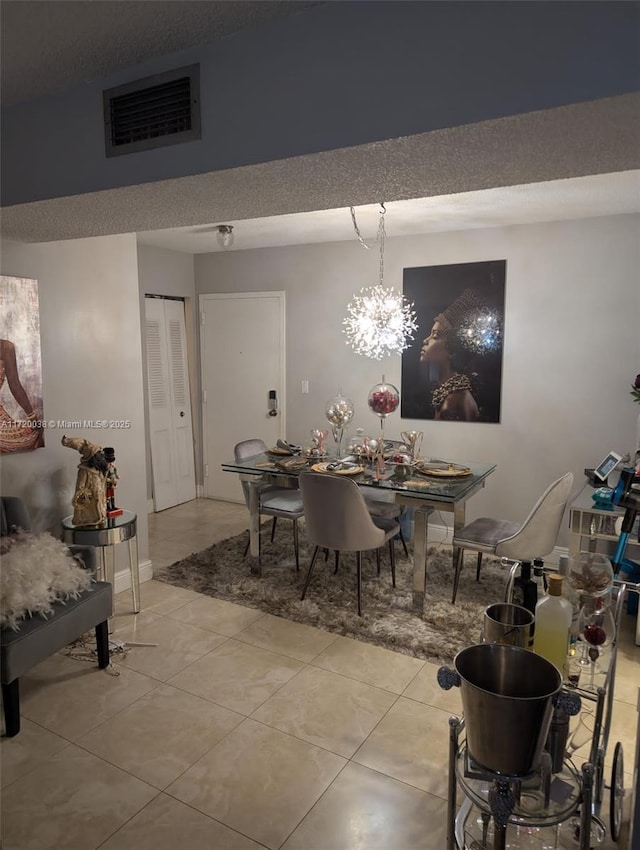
(305, 387)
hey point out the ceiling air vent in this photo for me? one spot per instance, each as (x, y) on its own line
(153, 112)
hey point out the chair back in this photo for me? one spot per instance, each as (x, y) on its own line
(539, 532)
(336, 514)
(246, 449)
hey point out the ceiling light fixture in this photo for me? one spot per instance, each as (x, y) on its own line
(379, 321)
(225, 235)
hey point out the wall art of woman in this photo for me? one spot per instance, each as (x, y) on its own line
(452, 371)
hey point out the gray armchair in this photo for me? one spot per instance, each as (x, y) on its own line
(37, 637)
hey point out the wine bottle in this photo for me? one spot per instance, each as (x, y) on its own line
(553, 622)
(539, 576)
(525, 593)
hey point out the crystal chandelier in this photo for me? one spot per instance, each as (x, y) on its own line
(379, 320)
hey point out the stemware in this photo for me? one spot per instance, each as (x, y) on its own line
(339, 411)
(383, 399)
(597, 628)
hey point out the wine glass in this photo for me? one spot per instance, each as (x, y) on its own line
(597, 627)
(582, 734)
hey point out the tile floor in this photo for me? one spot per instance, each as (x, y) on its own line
(238, 731)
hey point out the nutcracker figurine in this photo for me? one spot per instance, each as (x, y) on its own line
(111, 482)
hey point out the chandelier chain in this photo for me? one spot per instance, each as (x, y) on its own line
(357, 229)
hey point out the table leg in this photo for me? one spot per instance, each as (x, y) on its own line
(254, 528)
(135, 574)
(109, 569)
(421, 521)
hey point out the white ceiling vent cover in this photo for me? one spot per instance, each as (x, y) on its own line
(153, 112)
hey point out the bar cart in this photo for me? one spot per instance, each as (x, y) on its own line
(602, 694)
(499, 810)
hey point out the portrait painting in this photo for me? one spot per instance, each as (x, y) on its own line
(452, 370)
(20, 366)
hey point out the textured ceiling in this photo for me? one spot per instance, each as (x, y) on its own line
(578, 141)
(579, 197)
(51, 45)
(571, 162)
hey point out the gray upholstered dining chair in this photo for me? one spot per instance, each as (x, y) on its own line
(535, 537)
(273, 501)
(337, 517)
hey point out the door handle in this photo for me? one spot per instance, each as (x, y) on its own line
(182, 413)
(272, 404)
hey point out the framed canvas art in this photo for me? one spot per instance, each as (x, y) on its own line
(452, 371)
(20, 366)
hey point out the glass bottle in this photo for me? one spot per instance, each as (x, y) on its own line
(553, 622)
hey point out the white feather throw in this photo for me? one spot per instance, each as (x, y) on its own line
(37, 570)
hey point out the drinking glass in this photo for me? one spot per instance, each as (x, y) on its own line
(582, 734)
(597, 628)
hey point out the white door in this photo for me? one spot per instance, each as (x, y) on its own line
(242, 350)
(170, 425)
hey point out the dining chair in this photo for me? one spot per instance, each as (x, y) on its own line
(337, 517)
(273, 501)
(535, 537)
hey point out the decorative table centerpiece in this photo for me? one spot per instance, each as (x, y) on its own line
(383, 400)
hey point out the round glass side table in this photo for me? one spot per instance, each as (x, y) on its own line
(119, 529)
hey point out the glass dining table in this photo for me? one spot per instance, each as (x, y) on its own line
(424, 494)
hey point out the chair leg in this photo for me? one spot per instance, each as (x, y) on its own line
(311, 566)
(273, 528)
(11, 705)
(359, 580)
(404, 543)
(478, 565)
(459, 563)
(102, 643)
(326, 555)
(337, 554)
(378, 560)
(392, 557)
(295, 544)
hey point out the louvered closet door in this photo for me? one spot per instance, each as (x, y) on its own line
(170, 424)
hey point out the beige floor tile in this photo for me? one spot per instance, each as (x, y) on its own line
(259, 781)
(70, 697)
(425, 688)
(74, 800)
(178, 645)
(156, 596)
(161, 735)
(325, 709)
(27, 750)
(166, 824)
(411, 743)
(163, 553)
(296, 640)
(627, 677)
(225, 618)
(237, 676)
(370, 664)
(364, 809)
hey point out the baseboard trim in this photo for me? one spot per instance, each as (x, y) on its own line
(123, 578)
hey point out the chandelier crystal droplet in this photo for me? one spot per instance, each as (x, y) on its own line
(379, 321)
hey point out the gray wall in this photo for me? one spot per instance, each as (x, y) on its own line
(91, 369)
(571, 347)
(339, 75)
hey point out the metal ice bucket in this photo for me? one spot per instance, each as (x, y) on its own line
(508, 696)
(507, 623)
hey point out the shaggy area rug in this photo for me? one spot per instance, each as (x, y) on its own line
(387, 617)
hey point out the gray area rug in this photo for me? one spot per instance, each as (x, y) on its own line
(387, 617)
